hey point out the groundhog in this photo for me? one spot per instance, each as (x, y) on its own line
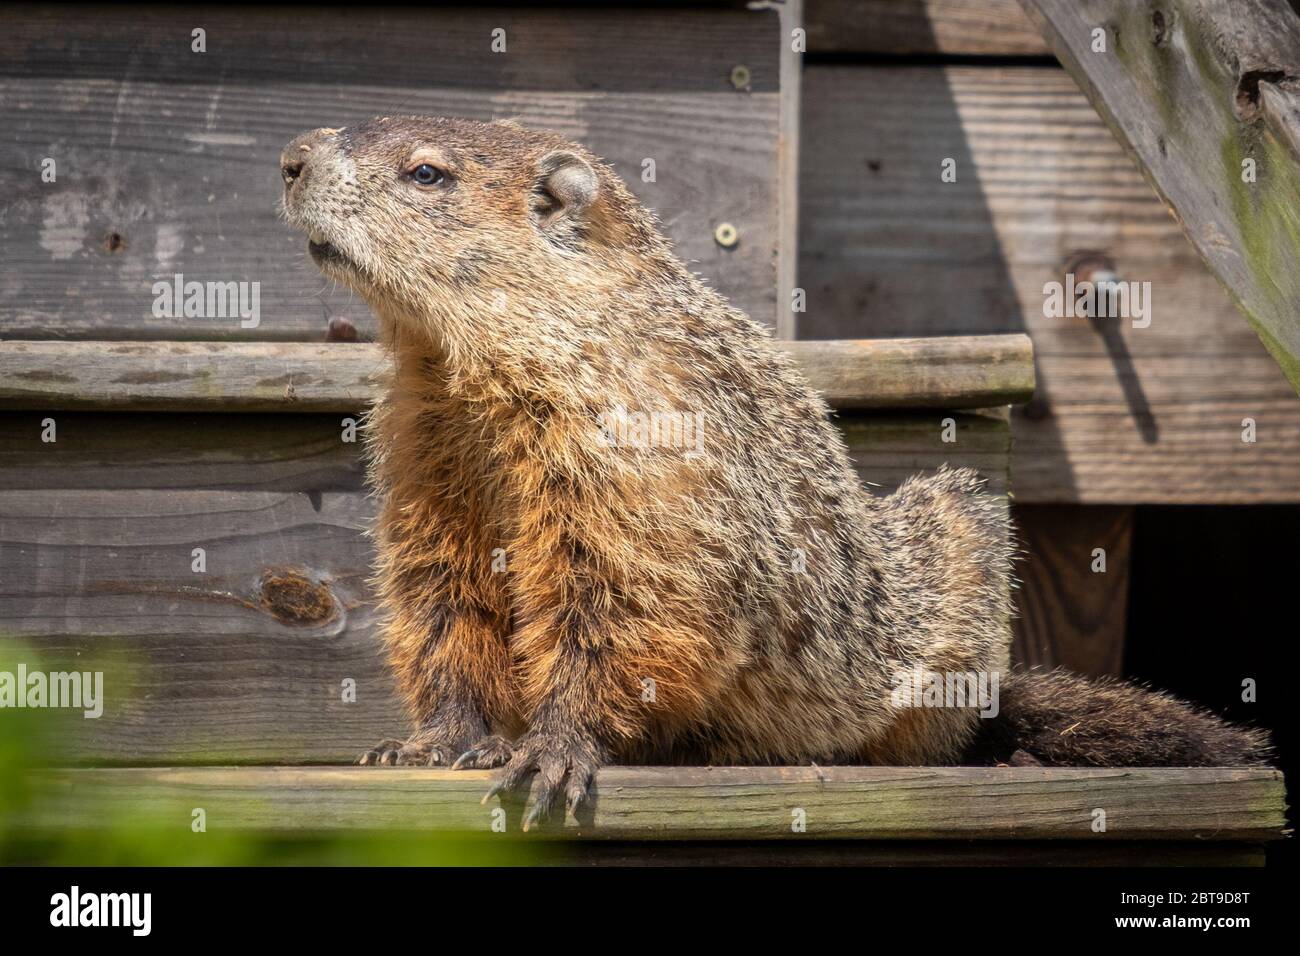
(560, 592)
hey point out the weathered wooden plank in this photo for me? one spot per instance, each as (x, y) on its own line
(307, 453)
(1197, 90)
(955, 372)
(887, 449)
(192, 376)
(1176, 440)
(1071, 612)
(910, 27)
(195, 452)
(909, 853)
(713, 803)
(939, 372)
(166, 158)
(244, 661)
(1121, 414)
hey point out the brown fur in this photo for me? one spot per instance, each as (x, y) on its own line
(1064, 720)
(524, 295)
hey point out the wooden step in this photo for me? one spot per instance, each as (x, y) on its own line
(244, 663)
(937, 372)
(701, 803)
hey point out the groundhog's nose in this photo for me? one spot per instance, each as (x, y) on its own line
(295, 161)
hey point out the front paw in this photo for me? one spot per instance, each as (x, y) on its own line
(411, 753)
(494, 751)
(564, 763)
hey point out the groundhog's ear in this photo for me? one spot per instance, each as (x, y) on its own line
(565, 189)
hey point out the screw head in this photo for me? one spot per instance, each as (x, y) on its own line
(1091, 266)
(726, 235)
(740, 76)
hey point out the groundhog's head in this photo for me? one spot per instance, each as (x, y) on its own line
(426, 216)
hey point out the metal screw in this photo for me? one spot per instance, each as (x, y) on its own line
(740, 76)
(1094, 267)
(1089, 266)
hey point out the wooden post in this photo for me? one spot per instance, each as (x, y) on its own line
(1073, 602)
(787, 149)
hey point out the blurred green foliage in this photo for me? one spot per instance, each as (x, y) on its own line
(156, 831)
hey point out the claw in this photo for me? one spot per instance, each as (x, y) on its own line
(542, 803)
(551, 761)
(536, 814)
(463, 758)
(485, 754)
(576, 796)
(375, 755)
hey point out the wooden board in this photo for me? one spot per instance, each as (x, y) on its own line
(1195, 89)
(167, 160)
(1068, 614)
(910, 853)
(306, 453)
(911, 27)
(194, 452)
(953, 372)
(705, 803)
(887, 449)
(245, 662)
(1121, 415)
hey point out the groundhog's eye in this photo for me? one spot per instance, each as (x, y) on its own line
(427, 175)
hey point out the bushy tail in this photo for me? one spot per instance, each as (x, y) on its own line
(1061, 719)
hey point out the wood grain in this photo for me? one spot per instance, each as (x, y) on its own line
(244, 662)
(193, 452)
(1121, 414)
(910, 27)
(307, 453)
(910, 853)
(887, 449)
(167, 159)
(1069, 615)
(951, 372)
(713, 803)
(1194, 89)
